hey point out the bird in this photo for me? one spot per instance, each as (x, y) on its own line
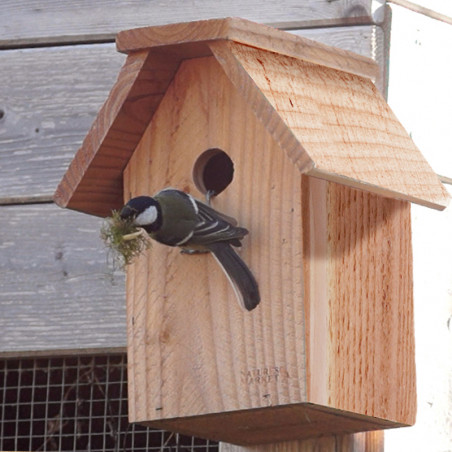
(175, 218)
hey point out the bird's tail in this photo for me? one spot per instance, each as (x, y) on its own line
(240, 276)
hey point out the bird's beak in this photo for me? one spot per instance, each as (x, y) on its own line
(126, 212)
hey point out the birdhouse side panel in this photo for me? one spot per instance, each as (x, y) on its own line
(192, 349)
(371, 297)
(359, 301)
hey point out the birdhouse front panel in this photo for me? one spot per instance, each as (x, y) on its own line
(320, 251)
(191, 345)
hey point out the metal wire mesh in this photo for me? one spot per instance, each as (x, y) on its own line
(76, 403)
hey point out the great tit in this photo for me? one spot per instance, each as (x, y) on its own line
(175, 218)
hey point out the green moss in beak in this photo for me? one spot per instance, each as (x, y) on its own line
(124, 239)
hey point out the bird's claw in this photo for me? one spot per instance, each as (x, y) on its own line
(209, 195)
(192, 251)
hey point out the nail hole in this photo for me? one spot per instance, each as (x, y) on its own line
(2, 114)
(213, 171)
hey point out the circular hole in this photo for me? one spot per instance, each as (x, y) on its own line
(213, 171)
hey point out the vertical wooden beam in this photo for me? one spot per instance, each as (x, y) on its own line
(359, 301)
(359, 442)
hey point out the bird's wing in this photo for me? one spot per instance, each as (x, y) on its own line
(215, 227)
(211, 212)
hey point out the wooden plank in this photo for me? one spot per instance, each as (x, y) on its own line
(184, 35)
(276, 424)
(42, 126)
(342, 123)
(58, 292)
(62, 104)
(186, 331)
(93, 181)
(364, 40)
(31, 22)
(430, 13)
(373, 43)
(359, 442)
(361, 328)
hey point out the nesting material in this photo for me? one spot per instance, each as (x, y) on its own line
(124, 239)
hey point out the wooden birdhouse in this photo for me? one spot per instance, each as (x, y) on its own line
(310, 159)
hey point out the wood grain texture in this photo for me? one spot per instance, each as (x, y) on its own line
(93, 181)
(49, 21)
(337, 126)
(201, 366)
(358, 272)
(359, 442)
(343, 125)
(372, 42)
(45, 124)
(59, 294)
(62, 105)
(190, 345)
(274, 425)
(248, 33)
(377, 308)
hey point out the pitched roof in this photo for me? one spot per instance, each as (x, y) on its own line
(318, 102)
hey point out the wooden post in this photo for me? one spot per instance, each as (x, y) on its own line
(359, 442)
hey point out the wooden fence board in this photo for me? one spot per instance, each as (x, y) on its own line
(58, 293)
(32, 22)
(43, 126)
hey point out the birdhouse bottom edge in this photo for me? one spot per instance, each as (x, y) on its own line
(273, 424)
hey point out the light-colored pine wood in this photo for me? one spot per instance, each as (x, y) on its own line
(375, 46)
(321, 133)
(359, 442)
(358, 273)
(31, 22)
(197, 34)
(190, 344)
(341, 122)
(93, 181)
(200, 365)
(372, 296)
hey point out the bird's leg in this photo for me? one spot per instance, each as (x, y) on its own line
(191, 251)
(209, 195)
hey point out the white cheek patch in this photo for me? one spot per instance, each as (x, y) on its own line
(147, 217)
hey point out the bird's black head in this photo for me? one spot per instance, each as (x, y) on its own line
(144, 211)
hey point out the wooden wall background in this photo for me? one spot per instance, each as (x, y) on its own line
(57, 64)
